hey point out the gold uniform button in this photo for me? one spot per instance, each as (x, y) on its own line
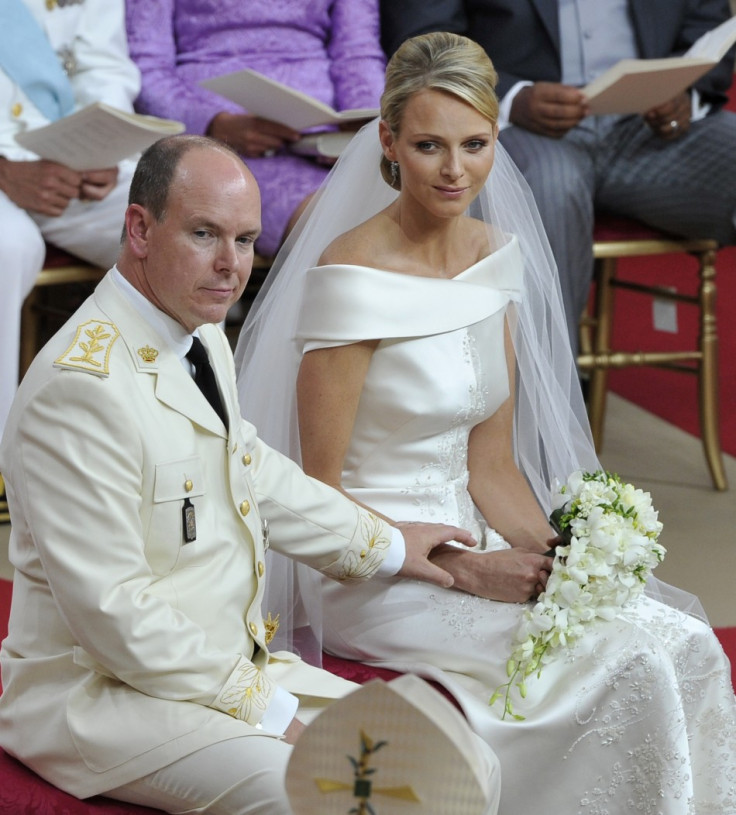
(261, 568)
(50, 4)
(17, 109)
(245, 508)
(247, 459)
(253, 629)
(188, 485)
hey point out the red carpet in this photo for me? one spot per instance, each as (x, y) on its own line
(670, 395)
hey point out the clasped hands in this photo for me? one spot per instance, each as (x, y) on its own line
(552, 109)
(47, 188)
(512, 575)
(255, 137)
(251, 136)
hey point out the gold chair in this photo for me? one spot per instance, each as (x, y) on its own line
(616, 238)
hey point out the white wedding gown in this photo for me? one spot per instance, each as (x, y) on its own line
(640, 716)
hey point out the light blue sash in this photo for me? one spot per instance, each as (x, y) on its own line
(28, 59)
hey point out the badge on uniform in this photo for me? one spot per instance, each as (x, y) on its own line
(189, 521)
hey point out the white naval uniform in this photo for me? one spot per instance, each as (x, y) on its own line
(129, 646)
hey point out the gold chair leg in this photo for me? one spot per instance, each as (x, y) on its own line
(708, 372)
(598, 387)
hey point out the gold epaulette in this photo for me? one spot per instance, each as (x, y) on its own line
(90, 349)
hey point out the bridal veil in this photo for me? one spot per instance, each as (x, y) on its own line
(551, 433)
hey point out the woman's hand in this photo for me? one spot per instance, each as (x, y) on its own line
(251, 136)
(508, 575)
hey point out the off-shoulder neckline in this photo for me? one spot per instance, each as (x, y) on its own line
(465, 271)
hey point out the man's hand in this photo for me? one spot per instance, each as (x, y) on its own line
(420, 540)
(670, 120)
(39, 186)
(250, 135)
(97, 184)
(548, 108)
(509, 575)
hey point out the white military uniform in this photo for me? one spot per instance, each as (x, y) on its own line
(129, 646)
(89, 36)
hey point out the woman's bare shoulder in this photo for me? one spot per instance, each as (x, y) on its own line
(358, 246)
(477, 237)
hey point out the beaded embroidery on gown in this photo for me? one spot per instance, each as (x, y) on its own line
(640, 716)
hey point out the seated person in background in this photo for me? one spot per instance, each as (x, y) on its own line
(328, 49)
(672, 168)
(138, 525)
(54, 60)
(435, 381)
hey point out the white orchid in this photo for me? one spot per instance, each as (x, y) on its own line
(609, 531)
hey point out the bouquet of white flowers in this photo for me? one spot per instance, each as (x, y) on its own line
(609, 547)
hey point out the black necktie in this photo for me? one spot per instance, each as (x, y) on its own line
(204, 376)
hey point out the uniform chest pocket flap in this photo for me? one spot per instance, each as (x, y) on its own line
(178, 480)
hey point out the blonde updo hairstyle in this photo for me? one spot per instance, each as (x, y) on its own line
(443, 62)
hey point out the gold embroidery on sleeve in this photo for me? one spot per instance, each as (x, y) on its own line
(246, 692)
(362, 563)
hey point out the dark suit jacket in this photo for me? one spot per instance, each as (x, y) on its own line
(522, 36)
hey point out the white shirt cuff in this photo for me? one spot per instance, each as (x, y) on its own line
(395, 556)
(698, 108)
(280, 712)
(504, 107)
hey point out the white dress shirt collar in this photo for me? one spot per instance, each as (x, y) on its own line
(171, 331)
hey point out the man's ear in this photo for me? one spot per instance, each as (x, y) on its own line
(386, 138)
(138, 222)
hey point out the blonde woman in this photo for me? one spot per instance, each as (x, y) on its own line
(427, 353)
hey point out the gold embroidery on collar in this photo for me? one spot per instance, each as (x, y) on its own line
(271, 625)
(147, 354)
(91, 347)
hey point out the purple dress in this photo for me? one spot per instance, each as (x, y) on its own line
(327, 48)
